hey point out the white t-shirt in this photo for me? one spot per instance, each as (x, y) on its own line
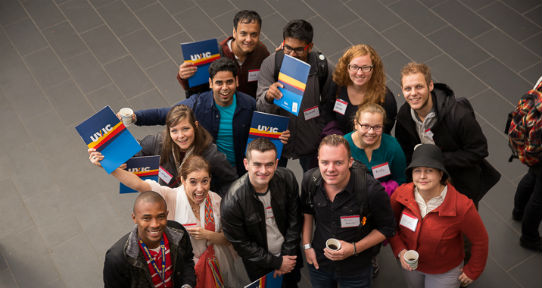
(274, 237)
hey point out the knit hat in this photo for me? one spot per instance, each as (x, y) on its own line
(427, 155)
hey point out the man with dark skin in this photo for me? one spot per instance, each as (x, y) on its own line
(137, 259)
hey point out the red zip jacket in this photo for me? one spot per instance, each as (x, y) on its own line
(438, 236)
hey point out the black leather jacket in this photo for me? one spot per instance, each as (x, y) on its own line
(125, 265)
(243, 221)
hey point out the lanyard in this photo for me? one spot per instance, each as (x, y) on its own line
(161, 272)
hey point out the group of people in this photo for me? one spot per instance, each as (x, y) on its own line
(227, 213)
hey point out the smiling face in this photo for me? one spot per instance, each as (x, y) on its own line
(369, 128)
(151, 220)
(182, 134)
(334, 164)
(297, 48)
(261, 167)
(358, 77)
(197, 185)
(417, 92)
(223, 85)
(426, 179)
(246, 36)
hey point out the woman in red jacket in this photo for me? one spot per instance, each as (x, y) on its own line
(432, 218)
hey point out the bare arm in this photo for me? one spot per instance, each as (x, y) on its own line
(129, 179)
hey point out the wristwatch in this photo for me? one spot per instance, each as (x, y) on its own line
(307, 246)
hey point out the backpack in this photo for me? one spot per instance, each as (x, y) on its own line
(322, 69)
(357, 168)
(524, 128)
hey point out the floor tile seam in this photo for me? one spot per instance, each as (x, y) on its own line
(531, 10)
(491, 125)
(32, 52)
(328, 23)
(522, 14)
(525, 260)
(500, 218)
(147, 91)
(479, 8)
(348, 24)
(494, 25)
(129, 53)
(529, 67)
(158, 63)
(222, 14)
(210, 18)
(17, 21)
(381, 32)
(466, 37)
(8, 267)
(489, 256)
(87, 48)
(539, 55)
(31, 74)
(35, 226)
(448, 24)
(174, 16)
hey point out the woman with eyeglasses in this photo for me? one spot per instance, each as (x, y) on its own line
(381, 153)
(358, 79)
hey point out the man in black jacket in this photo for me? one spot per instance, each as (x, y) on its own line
(261, 216)
(137, 259)
(431, 115)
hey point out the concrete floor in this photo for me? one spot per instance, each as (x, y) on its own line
(61, 61)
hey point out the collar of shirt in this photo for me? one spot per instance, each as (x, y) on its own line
(421, 127)
(433, 203)
(342, 196)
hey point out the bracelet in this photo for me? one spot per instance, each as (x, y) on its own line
(354, 244)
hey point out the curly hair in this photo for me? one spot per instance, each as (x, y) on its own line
(376, 88)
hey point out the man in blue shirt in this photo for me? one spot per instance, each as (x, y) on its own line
(217, 111)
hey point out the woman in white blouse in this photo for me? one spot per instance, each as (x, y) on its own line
(198, 210)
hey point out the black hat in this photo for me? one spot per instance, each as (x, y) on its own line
(427, 155)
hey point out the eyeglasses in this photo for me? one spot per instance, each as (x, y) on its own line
(355, 68)
(367, 127)
(298, 50)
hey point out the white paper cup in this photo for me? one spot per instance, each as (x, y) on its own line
(411, 258)
(333, 244)
(126, 116)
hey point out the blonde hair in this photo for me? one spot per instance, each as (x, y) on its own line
(376, 88)
(413, 68)
(371, 108)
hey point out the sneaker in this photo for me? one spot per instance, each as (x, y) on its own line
(531, 245)
(376, 267)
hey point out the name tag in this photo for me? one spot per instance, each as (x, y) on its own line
(409, 221)
(164, 175)
(311, 113)
(428, 133)
(253, 75)
(350, 221)
(340, 106)
(381, 170)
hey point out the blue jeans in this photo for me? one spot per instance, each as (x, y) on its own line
(323, 279)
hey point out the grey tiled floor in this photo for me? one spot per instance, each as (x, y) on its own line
(63, 60)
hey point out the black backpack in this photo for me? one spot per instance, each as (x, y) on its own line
(361, 183)
(321, 66)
